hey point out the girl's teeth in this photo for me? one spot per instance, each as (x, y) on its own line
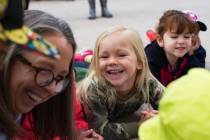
(34, 97)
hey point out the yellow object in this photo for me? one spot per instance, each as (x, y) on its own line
(184, 111)
(17, 35)
(3, 5)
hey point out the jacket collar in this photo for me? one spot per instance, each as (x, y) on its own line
(156, 54)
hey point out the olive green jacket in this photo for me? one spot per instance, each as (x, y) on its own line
(113, 116)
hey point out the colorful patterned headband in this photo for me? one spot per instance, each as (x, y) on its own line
(26, 38)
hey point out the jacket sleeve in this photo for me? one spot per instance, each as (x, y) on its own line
(97, 114)
(152, 52)
(80, 122)
(79, 119)
(155, 70)
(198, 58)
(156, 90)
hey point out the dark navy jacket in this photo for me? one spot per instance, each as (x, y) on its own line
(161, 69)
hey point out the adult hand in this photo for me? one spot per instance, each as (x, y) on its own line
(90, 135)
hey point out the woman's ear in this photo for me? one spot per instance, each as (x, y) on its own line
(159, 40)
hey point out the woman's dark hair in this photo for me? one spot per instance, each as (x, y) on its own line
(55, 116)
(8, 125)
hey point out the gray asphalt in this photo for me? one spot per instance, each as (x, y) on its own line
(139, 14)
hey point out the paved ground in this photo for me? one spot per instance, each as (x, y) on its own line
(139, 14)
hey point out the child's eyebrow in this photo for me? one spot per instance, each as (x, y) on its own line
(173, 32)
(184, 32)
(103, 52)
(187, 32)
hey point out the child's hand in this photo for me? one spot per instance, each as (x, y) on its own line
(148, 114)
(195, 44)
(89, 135)
(144, 107)
(145, 115)
(97, 136)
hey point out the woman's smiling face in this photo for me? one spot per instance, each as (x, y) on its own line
(25, 91)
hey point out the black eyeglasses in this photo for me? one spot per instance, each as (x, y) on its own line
(44, 77)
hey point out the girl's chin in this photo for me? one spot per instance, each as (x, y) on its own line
(179, 55)
(114, 83)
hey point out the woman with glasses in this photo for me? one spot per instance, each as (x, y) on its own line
(56, 31)
(35, 76)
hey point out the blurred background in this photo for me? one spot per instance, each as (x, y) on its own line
(139, 14)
